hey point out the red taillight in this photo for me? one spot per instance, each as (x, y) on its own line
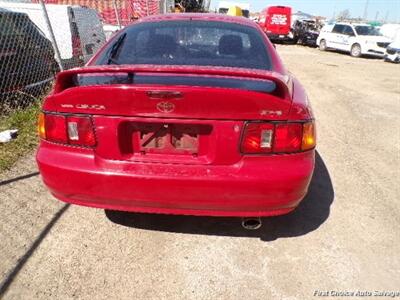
(55, 128)
(80, 131)
(257, 138)
(279, 137)
(71, 130)
(288, 137)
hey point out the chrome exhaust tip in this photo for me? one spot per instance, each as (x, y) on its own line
(251, 223)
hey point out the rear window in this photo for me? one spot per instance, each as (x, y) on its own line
(7, 26)
(367, 30)
(189, 43)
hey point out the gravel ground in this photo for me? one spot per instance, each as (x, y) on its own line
(343, 237)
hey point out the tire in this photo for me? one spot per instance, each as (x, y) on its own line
(322, 45)
(355, 50)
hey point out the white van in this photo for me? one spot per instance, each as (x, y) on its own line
(357, 39)
(78, 30)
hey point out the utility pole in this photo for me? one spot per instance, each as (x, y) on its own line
(117, 14)
(377, 16)
(52, 37)
(366, 10)
(386, 17)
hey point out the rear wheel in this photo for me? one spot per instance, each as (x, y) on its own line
(355, 50)
(322, 45)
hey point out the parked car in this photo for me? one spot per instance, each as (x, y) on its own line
(26, 56)
(306, 32)
(276, 22)
(78, 30)
(357, 39)
(180, 114)
(393, 51)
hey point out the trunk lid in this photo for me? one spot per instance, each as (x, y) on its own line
(215, 93)
(174, 115)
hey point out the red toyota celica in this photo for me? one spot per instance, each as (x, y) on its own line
(190, 114)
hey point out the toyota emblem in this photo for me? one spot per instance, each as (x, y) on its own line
(165, 107)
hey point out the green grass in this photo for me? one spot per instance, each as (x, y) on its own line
(25, 120)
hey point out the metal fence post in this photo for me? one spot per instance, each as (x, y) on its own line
(117, 14)
(53, 39)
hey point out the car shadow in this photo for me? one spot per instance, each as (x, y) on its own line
(364, 56)
(312, 212)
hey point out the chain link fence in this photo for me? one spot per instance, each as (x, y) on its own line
(40, 38)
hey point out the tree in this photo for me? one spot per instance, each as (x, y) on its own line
(343, 15)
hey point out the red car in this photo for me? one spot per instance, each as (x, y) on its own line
(190, 114)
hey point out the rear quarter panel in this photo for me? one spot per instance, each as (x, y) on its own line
(301, 107)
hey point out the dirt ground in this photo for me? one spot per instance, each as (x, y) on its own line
(343, 238)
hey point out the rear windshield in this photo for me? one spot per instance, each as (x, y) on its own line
(189, 43)
(7, 27)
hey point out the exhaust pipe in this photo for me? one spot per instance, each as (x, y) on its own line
(253, 223)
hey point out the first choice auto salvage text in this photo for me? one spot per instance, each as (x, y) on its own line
(334, 293)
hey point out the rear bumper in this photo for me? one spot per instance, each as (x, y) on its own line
(256, 186)
(279, 37)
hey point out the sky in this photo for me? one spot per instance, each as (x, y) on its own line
(328, 8)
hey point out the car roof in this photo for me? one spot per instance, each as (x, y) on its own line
(352, 24)
(6, 11)
(199, 17)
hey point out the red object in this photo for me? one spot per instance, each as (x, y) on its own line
(275, 21)
(56, 130)
(127, 10)
(68, 130)
(257, 138)
(288, 137)
(180, 149)
(80, 131)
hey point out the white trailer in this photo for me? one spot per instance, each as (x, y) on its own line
(78, 30)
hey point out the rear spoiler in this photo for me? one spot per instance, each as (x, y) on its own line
(67, 79)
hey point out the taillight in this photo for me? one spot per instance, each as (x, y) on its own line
(70, 130)
(41, 126)
(55, 128)
(80, 131)
(257, 138)
(281, 137)
(288, 137)
(309, 136)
